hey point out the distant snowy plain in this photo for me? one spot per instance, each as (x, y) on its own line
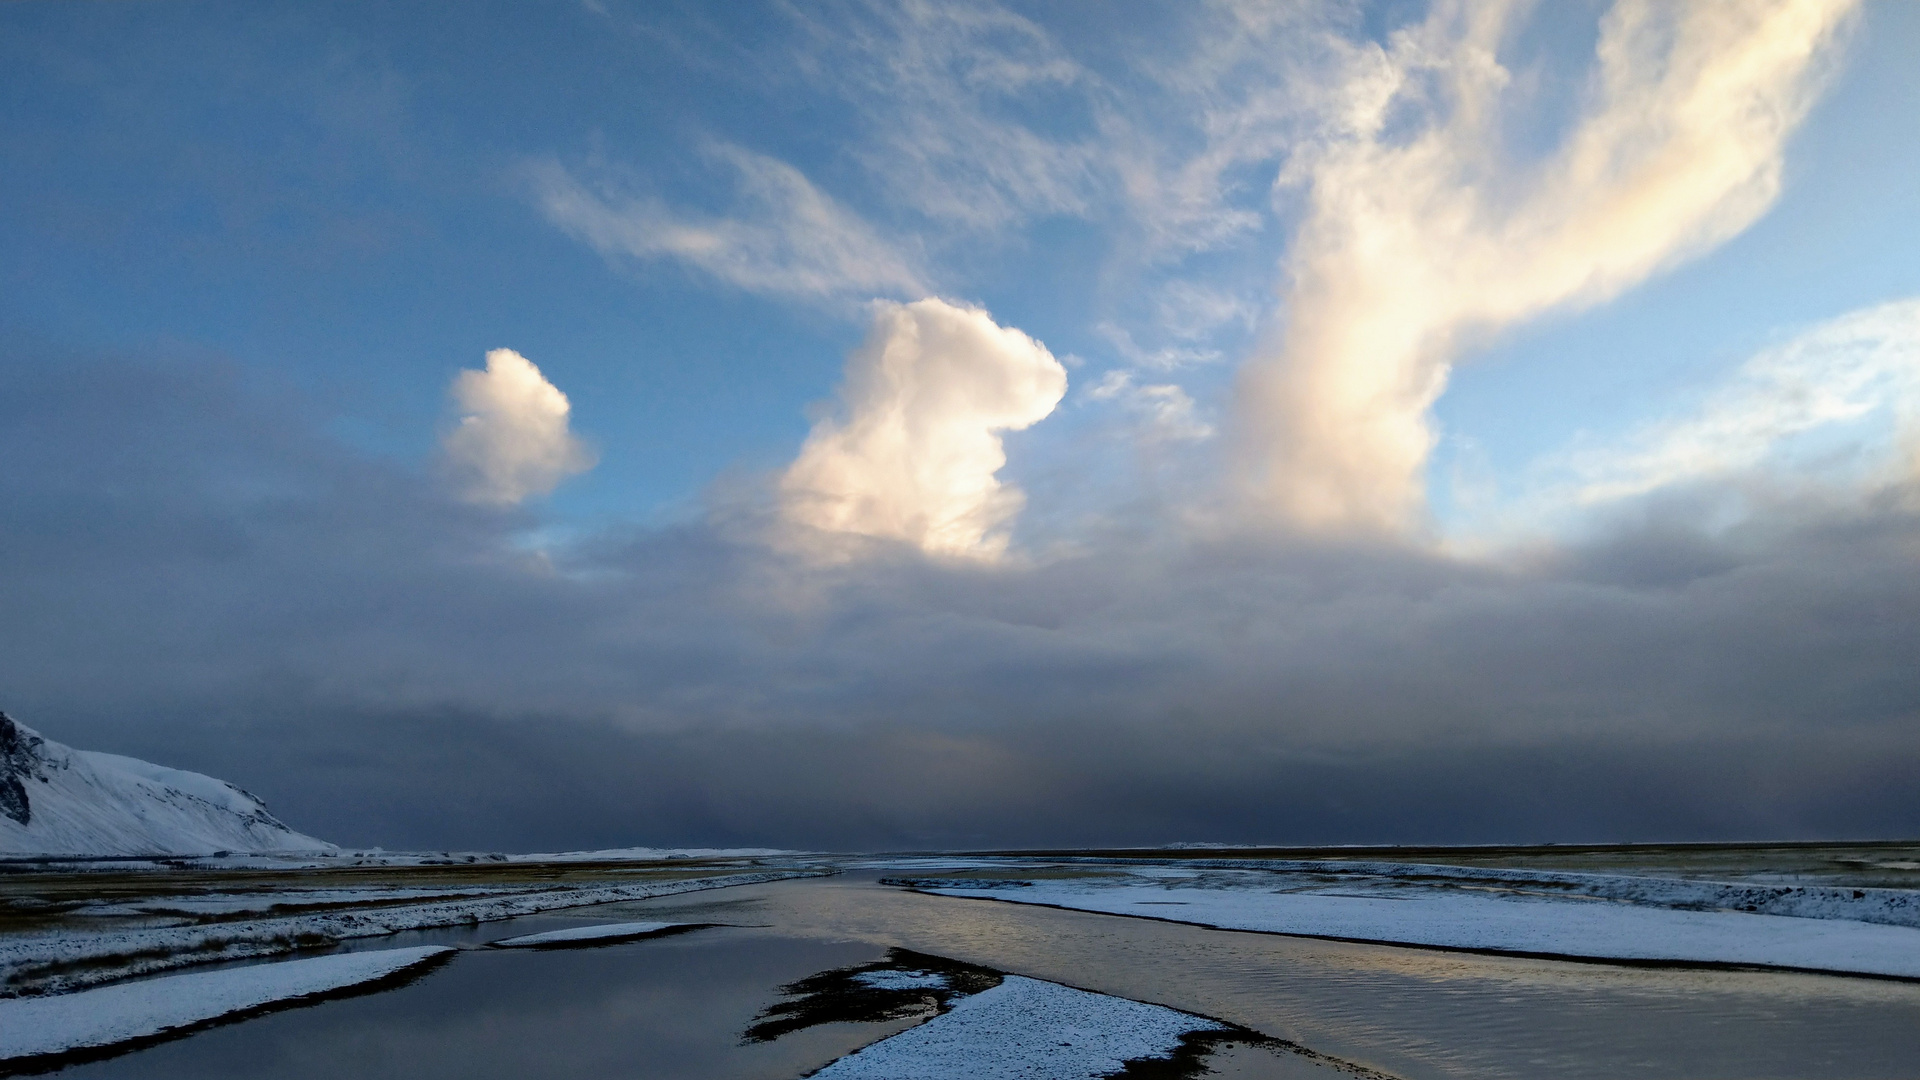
(1657, 926)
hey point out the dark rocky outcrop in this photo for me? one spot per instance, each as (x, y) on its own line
(19, 762)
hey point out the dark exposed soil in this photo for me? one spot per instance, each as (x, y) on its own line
(840, 996)
(1190, 1059)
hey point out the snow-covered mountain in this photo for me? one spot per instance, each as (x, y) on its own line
(55, 800)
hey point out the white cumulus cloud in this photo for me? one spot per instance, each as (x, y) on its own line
(916, 453)
(1421, 234)
(512, 440)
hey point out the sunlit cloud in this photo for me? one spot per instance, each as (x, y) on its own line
(1422, 234)
(512, 441)
(1835, 409)
(915, 455)
(1166, 412)
(1422, 223)
(1844, 396)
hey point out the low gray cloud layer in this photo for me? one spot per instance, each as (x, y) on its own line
(195, 572)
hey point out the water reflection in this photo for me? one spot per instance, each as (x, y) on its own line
(672, 1007)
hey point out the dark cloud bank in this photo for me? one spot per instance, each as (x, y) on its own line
(192, 571)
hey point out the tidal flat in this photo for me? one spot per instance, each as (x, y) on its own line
(741, 960)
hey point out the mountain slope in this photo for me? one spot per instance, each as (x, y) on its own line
(55, 800)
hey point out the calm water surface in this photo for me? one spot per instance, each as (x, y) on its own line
(675, 1007)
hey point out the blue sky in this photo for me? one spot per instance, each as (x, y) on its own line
(1839, 239)
(334, 195)
(1119, 244)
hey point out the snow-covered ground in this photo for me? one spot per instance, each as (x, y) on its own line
(649, 854)
(584, 935)
(1024, 1028)
(1514, 921)
(31, 1027)
(56, 961)
(334, 859)
(1894, 907)
(281, 901)
(55, 800)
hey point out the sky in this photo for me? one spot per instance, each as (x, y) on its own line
(926, 425)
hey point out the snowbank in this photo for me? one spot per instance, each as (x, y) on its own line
(1895, 907)
(1023, 1028)
(1589, 929)
(585, 935)
(63, 961)
(31, 1027)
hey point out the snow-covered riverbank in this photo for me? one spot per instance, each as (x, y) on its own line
(1512, 921)
(1024, 1028)
(109, 1015)
(64, 960)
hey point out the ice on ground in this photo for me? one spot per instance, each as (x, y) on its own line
(1024, 1028)
(1590, 929)
(31, 1027)
(577, 935)
(902, 980)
